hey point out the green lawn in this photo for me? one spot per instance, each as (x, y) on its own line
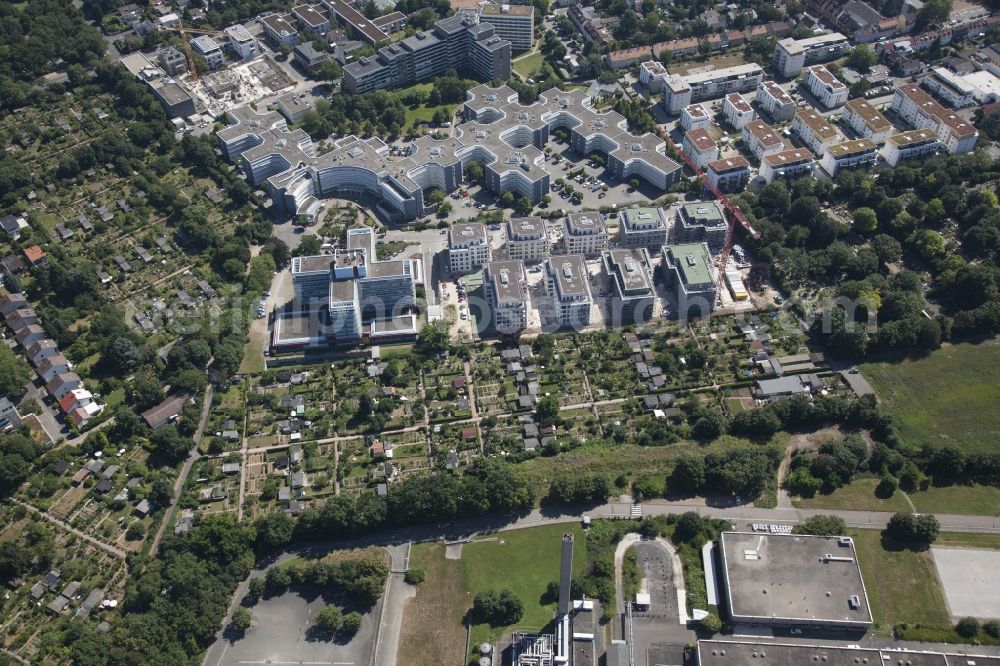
(525, 561)
(902, 585)
(948, 397)
(856, 496)
(973, 500)
(968, 540)
(529, 64)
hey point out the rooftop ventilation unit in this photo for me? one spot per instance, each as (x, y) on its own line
(504, 277)
(691, 261)
(567, 270)
(629, 265)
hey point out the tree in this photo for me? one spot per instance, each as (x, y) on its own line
(547, 410)
(688, 475)
(887, 248)
(274, 530)
(861, 58)
(710, 426)
(822, 526)
(887, 487)
(277, 579)
(934, 12)
(967, 627)
(255, 589)
(309, 245)
(350, 624)
(432, 339)
(689, 527)
(329, 619)
(242, 619)
(919, 531)
(497, 609)
(523, 206)
(506, 198)
(14, 373)
(865, 220)
(711, 623)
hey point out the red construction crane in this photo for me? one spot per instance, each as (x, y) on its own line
(735, 214)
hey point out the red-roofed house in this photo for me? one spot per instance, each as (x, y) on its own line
(35, 255)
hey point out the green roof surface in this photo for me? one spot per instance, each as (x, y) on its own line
(692, 261)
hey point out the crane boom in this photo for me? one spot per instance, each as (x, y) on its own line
(735, 214)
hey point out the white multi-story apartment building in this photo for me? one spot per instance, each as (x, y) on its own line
(468, 247)
(515, 23)
(761, 139)
(700, 147)
(642, 227)
(737, 110)
(680, 91)
(694, 116)
(792, 55)
(775, 101)
(568, 285)
(279, 30)
(241, 42)
(909, 145)
(507, 295)
(867, 121)
(856, 154)
(950, 87)
(312, 18)
(527, 239)
(210, 50)
(921, 111)
(786, 164)
(814, 131)
(585, 233)
(730, 174)
(825, 87)
(652, 73)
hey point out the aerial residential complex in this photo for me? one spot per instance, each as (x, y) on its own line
(642, 227)
(775, 102)
(688, 269)
(700, 222)
(791, 56)
(515, 23)
(527, 239)
(499, 133)
(347, 296)
(827, 88)
(680, 91)
(585, 233)
(568, 285)
(461, 42)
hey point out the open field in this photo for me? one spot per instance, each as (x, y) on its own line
(525, 561)
(856, 496)
(948, 397)
(528, 64)
(902, 584)
(973, 500)
(432, 630)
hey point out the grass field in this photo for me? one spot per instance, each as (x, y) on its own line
(902, 585)
(525, 561)
(948, 397)
(527, 65)
(972, 500)
(856, 496)
(968, 540)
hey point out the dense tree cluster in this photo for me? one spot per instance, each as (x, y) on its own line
(834, 466)
(822, 526)
(936, 216)
(917, 531)
(497, 609)
(587, 488)
(361, 579)
(17, 453)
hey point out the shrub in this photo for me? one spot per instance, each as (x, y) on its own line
(350, 624)
(242, 619)
(711, 623)
(329, 619)
(414, 576)
(497, 609)
(992, 628)
(967, 627)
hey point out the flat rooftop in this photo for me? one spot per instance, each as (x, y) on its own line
(793, 579)
(764, 133)
(737, 653)
(740, 102)
(913, 137)
(789, 157)
(735, 72)
(849, 148)
(777, 92)
(505, 278)
(318, 263)
(643, 218)
(462, 235)
(526, 227)
(700, 139)
(816, 123)
(871, 116)
(693, 262)
(570, 273)
(629, 266)
(696, 111)
(585, 223)
(826, 76)
(707, 213)
(299, 328)
(728, 164)
(507, 10)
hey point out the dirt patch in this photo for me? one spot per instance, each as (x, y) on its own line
(453, 551)
(432, 632)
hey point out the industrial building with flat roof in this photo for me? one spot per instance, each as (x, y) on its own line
(793, 580)
(740, 652)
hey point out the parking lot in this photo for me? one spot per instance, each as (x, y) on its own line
(283, 632)
(967, 575)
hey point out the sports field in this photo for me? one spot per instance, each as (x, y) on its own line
(948, 397)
